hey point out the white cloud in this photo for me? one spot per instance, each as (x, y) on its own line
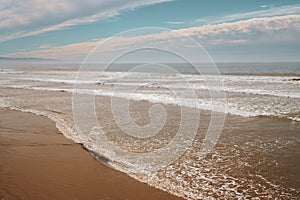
(19, 18)
(256, 30)
(263, 6)
(44, 47)
(174, 22)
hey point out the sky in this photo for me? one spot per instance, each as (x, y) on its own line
(227, 30)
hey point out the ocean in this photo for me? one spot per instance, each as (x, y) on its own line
(229, 135)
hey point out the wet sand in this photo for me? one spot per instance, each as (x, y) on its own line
(38, 162)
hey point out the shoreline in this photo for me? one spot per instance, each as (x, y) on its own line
(39, 162)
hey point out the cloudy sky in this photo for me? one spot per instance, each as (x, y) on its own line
(230, 31)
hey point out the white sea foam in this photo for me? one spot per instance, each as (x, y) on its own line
(281, 86)
(3, 103)
(255, 106)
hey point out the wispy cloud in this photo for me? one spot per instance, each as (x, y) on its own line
(44, 47)
(174, 22)
(256, 30)
(263, 6)
(279, 11)
(19, 18)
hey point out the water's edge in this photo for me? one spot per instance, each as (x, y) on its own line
(62, 129)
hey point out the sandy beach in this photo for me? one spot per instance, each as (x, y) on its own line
(38, 162)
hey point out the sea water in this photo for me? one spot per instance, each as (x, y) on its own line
(257, 154)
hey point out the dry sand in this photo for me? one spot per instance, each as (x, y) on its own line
(38, 162)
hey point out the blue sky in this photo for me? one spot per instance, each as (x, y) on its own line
(239, 30)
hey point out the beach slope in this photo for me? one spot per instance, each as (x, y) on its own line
(38, 162)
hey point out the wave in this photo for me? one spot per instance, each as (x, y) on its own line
(231, 107)
(258, 85)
